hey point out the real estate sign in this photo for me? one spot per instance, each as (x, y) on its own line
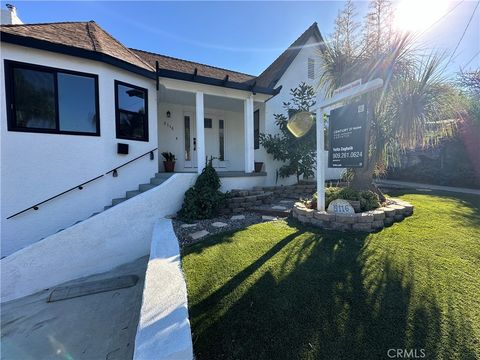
(347, 126)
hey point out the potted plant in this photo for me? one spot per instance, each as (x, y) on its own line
(169, 163)
(258, 166)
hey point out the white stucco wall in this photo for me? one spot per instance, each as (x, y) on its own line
(296, 73)
(163, 330)
(117, 236)
(171, 135)
(36, 166)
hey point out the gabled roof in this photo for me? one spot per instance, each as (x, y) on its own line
(88, 40)
(84, 39)
(270, 76)
(175, 64)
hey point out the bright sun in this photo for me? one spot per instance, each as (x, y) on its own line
(418, 15)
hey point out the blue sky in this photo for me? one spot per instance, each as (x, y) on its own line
(242, 36)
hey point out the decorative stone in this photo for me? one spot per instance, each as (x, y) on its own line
(237, 217)
(399, 209)
(285, 201)
(398, 217)
(355, 204)
(377, 224)
(324, 216)
(340, 206)
(268, 218)
(345, 218)
(365, 217)
(199, 234)
(388, 211)
(278, 207)
(316, 222)
(388, 221)
(219, 224)
(187, 225)
(303, 219)
(238, 210)
(362, 227)
(377, 215)
(309, 213)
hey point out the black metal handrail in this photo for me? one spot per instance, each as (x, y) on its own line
(114, 170)
(35, 207)
(80, 187)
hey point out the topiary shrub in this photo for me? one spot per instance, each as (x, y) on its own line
(203, 200)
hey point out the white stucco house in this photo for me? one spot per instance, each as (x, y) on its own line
(85, 119)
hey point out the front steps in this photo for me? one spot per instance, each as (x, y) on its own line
(159, 179)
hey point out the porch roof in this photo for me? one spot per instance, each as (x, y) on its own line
(179, 69)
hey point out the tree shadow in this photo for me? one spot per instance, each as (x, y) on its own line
(328, 299)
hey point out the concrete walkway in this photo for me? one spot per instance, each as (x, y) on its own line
(96, 326)
(406, 184)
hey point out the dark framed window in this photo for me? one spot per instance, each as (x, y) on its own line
(49, 100)
(207, 123)
(256, 129)
(221, 140)
(131, 111)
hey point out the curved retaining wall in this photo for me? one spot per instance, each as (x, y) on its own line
(367, 221)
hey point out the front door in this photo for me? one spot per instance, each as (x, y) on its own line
(214, 129)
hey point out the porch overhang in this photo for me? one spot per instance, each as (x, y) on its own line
(189, 78)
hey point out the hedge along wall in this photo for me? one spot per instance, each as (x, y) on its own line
(367, 221)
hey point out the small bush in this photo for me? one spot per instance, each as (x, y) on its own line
(203, 200)
(368, 199)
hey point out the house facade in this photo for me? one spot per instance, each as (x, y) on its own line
(85, 119)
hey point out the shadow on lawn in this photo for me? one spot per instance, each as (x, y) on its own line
(330, 301)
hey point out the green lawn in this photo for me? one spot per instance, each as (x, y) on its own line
(282, 291)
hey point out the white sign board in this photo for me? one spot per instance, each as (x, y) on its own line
(347, 87)
(340, 206)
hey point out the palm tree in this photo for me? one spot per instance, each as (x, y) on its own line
(406, 112)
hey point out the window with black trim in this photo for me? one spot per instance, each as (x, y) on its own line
(131, 111)
(207, 123)
(256, 129)
(48, 100)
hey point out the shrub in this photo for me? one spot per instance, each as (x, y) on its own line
(203, 200)
(368, 199)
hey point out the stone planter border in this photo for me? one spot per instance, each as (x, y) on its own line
(367, 221)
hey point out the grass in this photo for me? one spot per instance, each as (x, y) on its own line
(282, 291)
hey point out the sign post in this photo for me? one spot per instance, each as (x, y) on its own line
(340, 96)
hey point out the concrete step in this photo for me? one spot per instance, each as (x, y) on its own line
(145, 187)
(132, 193)
(95, 213)
(118, 201)
(156, 181)
(107, 207)
(163, 175)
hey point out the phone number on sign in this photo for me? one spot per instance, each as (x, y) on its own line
(345, 155)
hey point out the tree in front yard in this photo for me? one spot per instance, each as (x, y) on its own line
(297, 154)
(411, 107)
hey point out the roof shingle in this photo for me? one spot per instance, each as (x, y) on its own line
(175, 64)
(82, 35)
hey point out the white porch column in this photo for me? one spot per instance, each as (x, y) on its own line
(199, 119)
(248, 131)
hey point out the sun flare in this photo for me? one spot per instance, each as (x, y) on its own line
(418, 15)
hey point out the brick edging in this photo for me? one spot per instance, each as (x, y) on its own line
(367, 221)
